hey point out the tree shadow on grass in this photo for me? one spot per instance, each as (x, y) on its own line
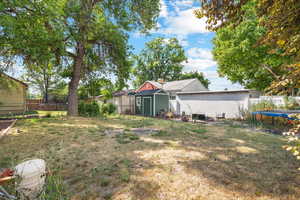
(246, 167)
(97, 166)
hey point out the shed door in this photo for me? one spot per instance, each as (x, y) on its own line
(147, 106)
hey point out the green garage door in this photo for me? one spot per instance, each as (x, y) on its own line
(147, 106)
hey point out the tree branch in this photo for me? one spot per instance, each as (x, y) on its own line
(271, 71)
(71, 54)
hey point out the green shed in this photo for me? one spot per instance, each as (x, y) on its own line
(151, 102)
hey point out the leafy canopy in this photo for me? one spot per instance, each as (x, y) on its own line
(239, 57)
(280, 18)
(195, 74)
(160, 59)
(83, 35)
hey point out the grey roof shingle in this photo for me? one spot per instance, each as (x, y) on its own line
(172, 85)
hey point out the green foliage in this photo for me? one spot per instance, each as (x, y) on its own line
(263, 105)
(201, 130)
(43, 77)
(83, 36)
(89, 109)
(160, 133)
(54, 189)
(240, 59)
(94, 86)
(280, 20)
(160, 59)
(198, 75)
(108, 108)
(290, 103)
(126, 138)
(59, 92)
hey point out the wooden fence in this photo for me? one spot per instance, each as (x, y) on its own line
(37, 104)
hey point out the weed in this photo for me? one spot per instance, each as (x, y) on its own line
(54, 189)
(104, 182)
(48, 115)
(160, 133)
(124, 176)
(107, 196)
(200, 130)
(126, 138)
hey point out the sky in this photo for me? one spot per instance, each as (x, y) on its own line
(177, 20)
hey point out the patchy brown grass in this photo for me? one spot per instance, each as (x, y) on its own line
(182, 161)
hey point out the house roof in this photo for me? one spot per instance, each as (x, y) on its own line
(147, 92)
(172, 85)
(14, 79)
(220, 91)
(122, 92)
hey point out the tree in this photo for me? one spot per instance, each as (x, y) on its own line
(198, 75)
(239, 57)
(160, 59)
(280, 18)
(43, 77)
(94, 85)
(82, 34)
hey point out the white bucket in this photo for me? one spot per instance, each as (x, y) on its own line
(32, 175)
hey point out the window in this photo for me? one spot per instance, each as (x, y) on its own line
(172, 97)
(138, 101)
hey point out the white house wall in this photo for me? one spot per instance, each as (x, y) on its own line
(212, 104)
(172, 105)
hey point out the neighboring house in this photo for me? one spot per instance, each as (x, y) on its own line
(215, 103)
(12, 95)
(154, 97)
(124, 101)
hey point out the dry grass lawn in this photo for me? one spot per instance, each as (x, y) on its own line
(183, 161)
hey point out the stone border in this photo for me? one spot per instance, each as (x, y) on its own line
(5, 131)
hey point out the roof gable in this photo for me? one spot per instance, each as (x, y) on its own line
(167, 86)
(13, 79)
(148, 85)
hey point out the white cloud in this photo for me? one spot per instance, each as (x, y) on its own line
(163, 9)
(200, 53)
(184, 3)
(198, 64)
(222, 83)
(211, 74)
(199, 59)
(184, 23)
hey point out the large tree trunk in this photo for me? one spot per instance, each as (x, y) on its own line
(73, 85)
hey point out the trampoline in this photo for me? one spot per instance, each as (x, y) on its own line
(277, 113)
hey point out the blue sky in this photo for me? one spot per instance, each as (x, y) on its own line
(177, 20)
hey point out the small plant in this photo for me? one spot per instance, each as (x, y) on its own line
(293, 139)
(108, 108)
(160, 133)
(200, 130)
(290, 103)
(48, 115)
(126, 138)
(264, 105)
(104, 182)
(89, 109)
(54, 189)
(125, 176)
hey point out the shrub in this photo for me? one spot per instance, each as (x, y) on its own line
(89, 109)
(108, 108)
(290, 103)
(293, 138)
(263, 105)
